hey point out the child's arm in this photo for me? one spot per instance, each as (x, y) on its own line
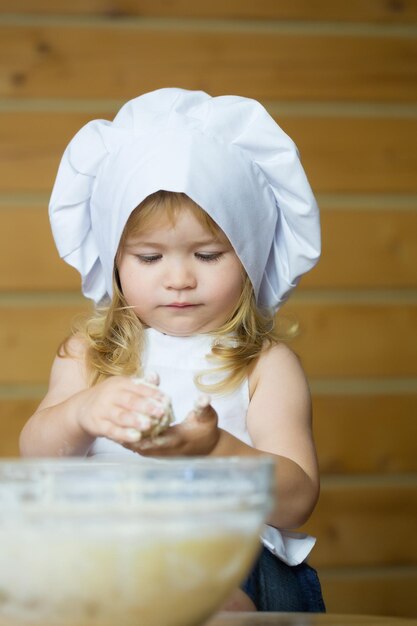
(279, 423)
(72, 414)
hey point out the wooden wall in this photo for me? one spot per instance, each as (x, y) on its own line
(341, 79)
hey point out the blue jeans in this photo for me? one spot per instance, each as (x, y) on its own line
(273, 585)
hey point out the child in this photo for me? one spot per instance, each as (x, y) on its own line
(190, 220)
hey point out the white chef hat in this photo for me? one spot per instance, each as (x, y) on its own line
(226, 153)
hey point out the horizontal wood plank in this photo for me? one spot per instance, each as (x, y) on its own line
(366, 249)
(355, 10)
(385, 251)
(29, 259)
(367, 522)
(30, 337)
(371, 592)
(366, 432)
(340, 154)
(337, 340)
(344, 339)
(110, 61)
(356, 154)
(32, 146)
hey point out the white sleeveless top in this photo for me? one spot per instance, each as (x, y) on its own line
(177, 360)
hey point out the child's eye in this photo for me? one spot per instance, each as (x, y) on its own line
(208, 256)
(148, 258)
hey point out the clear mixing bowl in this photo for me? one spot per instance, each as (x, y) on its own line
(156, 542)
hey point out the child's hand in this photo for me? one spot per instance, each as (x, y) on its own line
(123, 409)
(197, 435)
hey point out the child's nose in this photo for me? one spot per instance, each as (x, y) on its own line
(180, 276)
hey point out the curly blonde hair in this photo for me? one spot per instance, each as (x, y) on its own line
(114, 335)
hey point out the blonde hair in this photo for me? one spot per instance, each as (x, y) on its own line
(114, 335)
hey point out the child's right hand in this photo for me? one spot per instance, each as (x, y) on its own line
(121, 408)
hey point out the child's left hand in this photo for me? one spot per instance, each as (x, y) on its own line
(197, 435)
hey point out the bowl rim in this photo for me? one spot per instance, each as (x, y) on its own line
(249, 462)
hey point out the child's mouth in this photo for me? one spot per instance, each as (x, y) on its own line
(180, 305)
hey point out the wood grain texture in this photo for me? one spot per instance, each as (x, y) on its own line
(355, 10)
(366, 433)
(29, 339)
(344, 339)
(29, 260)
(375, 592)
(31, 147)
(14, 413)
(366, 249)
(385, 251)
(340, 154)
(356, 154)
(110, 61)
(365, 522)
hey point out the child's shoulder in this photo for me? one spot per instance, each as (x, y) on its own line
(279, 364)
(74, 347)
(69, 366)
(277, 355)
(68, 373)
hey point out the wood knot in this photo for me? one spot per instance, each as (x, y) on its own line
(18, 78)
(116, 13)
(43, 48)
(396, 6)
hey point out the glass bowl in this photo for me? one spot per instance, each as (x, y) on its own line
(155, 542)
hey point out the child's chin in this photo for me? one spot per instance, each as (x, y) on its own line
(182, 328)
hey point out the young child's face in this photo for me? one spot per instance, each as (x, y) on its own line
(181, 279)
